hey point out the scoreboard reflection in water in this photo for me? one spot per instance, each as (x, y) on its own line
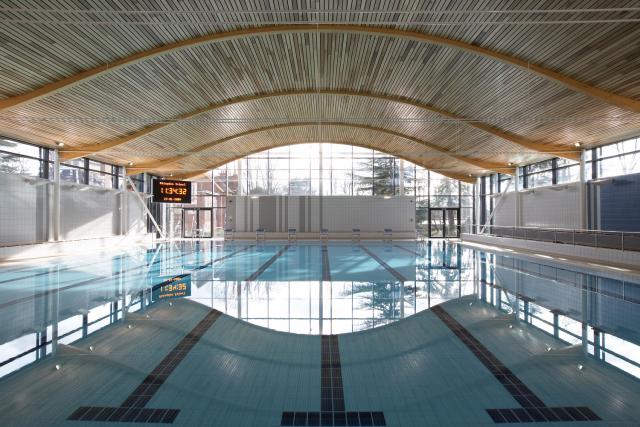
(171, 191)
(174, 287)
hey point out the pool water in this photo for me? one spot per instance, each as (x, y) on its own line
(401, 324)
(305, 288)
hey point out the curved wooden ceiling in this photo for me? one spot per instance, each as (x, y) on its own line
(154, 86)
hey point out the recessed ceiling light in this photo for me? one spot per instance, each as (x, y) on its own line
(60, 144)
(577, 144)
(171, 174)
(510, 164)
(130, 163)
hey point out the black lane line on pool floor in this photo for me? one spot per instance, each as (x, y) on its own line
(209, 264)
(395, 273)
(533, 408)
(154, 288)
(133, 408)
(332, 410)
(266, 265)
(116, 274)
(326, 268)
(409, 251)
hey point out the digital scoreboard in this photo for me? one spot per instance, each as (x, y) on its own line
(171, 191)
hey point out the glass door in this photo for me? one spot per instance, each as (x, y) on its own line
(451, 222)
(444, 222)
(189, 222)
(436, 222)
(197, 222)
(204, 223)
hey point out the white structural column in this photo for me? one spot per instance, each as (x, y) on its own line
(56, 197)
(401, 177)
(476, 203)
(518, 219)
(123, 203)
(583, 192)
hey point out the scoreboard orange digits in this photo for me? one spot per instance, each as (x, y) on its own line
(171, 191)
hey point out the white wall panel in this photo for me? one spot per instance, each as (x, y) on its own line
(23, 211)
(338, 213)
(557, 207)
(85, 212)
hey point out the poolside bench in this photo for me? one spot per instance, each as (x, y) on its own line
(292, 234)
(260, 234)
(355, 234)
(387, 234)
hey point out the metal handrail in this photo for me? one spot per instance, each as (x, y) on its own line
(608, 239)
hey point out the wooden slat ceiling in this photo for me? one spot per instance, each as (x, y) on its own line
(469, 109)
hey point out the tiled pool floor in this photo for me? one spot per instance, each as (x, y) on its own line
(228, 372)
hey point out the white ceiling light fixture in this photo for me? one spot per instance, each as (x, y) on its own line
(60, 144)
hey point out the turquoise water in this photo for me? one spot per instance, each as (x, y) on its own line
(309, 288)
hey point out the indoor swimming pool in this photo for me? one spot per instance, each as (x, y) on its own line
(69, 311)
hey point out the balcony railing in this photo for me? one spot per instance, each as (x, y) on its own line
(621, 240)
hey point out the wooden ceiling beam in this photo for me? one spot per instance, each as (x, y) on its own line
(548, 74)
(166, 163)
(555, 150)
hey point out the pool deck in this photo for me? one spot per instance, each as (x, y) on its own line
(227, 372)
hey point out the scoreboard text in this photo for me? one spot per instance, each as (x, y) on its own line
(171, 191)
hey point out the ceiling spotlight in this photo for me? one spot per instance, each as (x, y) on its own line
(470, 175)
(90, 348)
(577, 144)
(510, 326)
(580, 367)
(510, 164)
(549, 348)
(129, 326)
(60, 144)
(130, 163)
(57, 367)
(171, 174)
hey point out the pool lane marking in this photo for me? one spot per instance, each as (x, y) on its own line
(332, 408)
(395, 273)
(133, 408)
(326, 268)
(409, 250)
(232, 254)
(267, 264)
(532, 409)
(101, 278)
